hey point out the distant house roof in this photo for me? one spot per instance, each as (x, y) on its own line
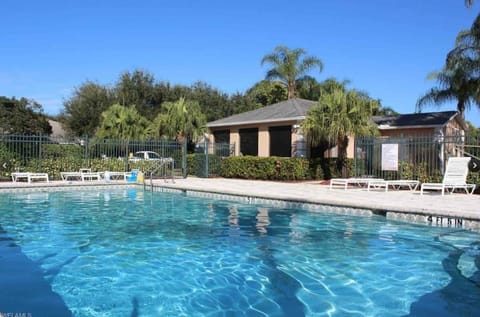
(417, 120)
(292, 109)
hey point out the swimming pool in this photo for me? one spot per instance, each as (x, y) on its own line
(134, 253)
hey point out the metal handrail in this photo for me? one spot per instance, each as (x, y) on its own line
(162, 167)
(465, 152)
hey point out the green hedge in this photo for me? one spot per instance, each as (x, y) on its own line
(249, 167)
(8, 161)
(196, 164)
(280, 168)
(417, 171)
(75, 151)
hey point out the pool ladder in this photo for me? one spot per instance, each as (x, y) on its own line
(165, 166)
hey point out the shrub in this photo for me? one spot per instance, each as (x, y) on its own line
(62, 151)
(280, 168)
(420, 172)
(196, 164)
(8, 161)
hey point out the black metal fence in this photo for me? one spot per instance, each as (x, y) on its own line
(208, 157)
(422, 158)
(54, 155)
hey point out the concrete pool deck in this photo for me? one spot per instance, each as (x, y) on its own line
(313, 192)
(401, 205)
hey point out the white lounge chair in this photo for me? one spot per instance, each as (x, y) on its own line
(455, 177)
(111, 176)
(91, 176)
(344, 182)
(16, 176)
(19, 175)
(71, 176)
(412, 185)
(83, 174)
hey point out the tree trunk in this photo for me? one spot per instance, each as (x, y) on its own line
(291, 90)
(342, 154)
(461, 108)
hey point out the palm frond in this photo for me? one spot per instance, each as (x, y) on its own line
(288, 66)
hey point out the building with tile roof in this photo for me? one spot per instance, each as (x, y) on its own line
(275, 130)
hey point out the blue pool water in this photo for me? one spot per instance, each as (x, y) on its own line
(134, 253)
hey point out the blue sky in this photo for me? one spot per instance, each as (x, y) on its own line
(384, 47)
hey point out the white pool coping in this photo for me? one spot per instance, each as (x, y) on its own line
(455, 210)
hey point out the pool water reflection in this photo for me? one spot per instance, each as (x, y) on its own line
(130, 252)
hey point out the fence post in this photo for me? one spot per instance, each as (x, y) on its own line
(39, 167)
(205, 152)
(184, 157)
(85, 152)
(127, 162)
(355, 154)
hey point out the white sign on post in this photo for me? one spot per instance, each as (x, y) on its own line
(389, 157)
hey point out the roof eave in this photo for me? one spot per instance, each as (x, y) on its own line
(411, 127)
(218, 125)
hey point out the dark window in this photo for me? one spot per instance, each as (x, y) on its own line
(222, 136)
(281, 141)
(249, 141)
(222, 142)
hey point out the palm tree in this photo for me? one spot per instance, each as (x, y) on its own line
(180, 119)
(123, 123)
(467, 48)
(338, 115)
(309, 88)
(459, 80)
(454, 85)
(288, 66)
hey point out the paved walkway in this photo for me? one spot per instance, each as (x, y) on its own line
(451, 205)
(432, 203)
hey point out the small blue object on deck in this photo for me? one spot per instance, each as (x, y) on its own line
(132, 178)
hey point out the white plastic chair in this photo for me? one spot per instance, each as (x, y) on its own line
(455, 177)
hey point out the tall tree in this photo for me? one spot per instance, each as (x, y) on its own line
(266, 93)
(453, 85)
(459, 79)
(308, 88)
(238, 103)
(22, 116)
(338, 115)
(289, 66)
(82, 111)
(137, 88)
(179, 120)
(473, 133)
(332, 84)
(119, 122)
(212, 102)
